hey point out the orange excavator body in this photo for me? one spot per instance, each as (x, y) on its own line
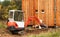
(12, 24)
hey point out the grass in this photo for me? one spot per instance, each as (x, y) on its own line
(54, 33)
(2, 25)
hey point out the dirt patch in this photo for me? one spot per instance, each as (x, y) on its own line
(6, 33)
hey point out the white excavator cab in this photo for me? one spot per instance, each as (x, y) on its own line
(17, 16)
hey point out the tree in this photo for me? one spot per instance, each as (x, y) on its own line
(6, 3)
(18, 4)
(9, 5)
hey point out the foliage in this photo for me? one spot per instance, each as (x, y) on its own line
(5, 6)
(6, 3)
(19, 4)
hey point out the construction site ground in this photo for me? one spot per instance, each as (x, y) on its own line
(5, 33)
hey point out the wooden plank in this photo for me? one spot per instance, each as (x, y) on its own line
(46, 11)
(36, 10)
(49, 7)
(31, 5)
(25, 8)
(28, 6)
(36, 4)
(48, 15)
(51, 12)
(58, 12)
(41, 8)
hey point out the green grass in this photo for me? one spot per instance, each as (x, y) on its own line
(54, 33)
(2, 25)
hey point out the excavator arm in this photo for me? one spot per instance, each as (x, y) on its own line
(32, 18)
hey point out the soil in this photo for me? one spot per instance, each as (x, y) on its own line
(6, 33)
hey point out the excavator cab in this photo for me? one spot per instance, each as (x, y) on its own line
(15, 20)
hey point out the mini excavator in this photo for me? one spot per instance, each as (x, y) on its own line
(16, 21)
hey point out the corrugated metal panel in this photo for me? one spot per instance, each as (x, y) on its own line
(58, 12)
